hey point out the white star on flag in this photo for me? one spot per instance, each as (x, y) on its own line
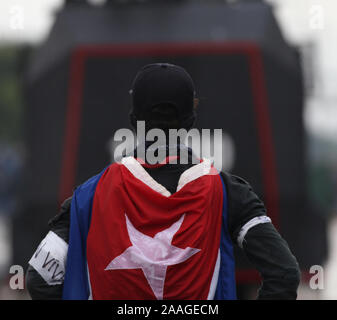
(152, 255)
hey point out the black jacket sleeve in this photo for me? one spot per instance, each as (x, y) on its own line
(36, 285)
(263, 245)
(243, 204)
(270, 255)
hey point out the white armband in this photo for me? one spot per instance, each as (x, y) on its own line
(49, 259)
(250, 224)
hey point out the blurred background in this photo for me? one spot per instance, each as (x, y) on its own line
(265, 72)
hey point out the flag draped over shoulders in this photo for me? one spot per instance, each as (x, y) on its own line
(131, 239)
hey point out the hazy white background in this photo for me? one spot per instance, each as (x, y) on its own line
(302, 22)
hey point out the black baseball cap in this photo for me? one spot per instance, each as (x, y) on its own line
(163, 83)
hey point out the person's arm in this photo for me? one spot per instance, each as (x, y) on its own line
(254, 232)
(45, 273)
(271, 256)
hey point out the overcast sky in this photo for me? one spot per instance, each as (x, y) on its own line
(26, 20)
(314, 21)
(302, 21)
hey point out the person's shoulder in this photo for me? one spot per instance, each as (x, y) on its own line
(62, 216)
(243, 203)
(232, 179)
(92, 181)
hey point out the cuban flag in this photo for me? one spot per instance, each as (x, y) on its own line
(130, 238)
